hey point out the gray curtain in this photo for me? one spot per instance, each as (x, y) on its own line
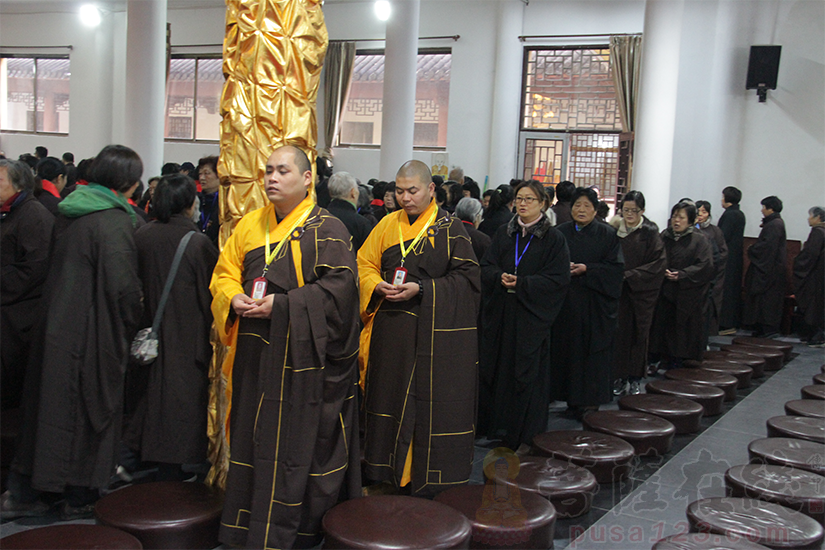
(340, 59)
(626, 62)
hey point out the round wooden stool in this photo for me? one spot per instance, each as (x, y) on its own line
(805, 407)
(684, 414)
(798, 427)
(742, 373)
(814, 391)
(710, 397)
(784, 347)
(774, 359)
(649, 434)
(819, 378)
(607, 457)
(706, 541)
(786, 451)
(755, 362)
(762, 522)
(77, 536)
(725, 382)
(795, 489)
(165, 514)
(523, 520)
(568, 487)
(392, 522)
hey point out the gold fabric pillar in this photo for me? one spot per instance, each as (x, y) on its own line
(273, 53)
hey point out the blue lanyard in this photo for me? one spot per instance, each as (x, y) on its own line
(523, 252)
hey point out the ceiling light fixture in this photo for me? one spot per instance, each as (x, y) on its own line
(89, 15)
(383, 9)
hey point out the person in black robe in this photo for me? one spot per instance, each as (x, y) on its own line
(766, 278)
(564, 194)
(75, 383)
(498, 211)
(809, 277)
(524, 280)
(716, 239)
(583, 334)
(469, 211)
(169, 425)
(26, 233)
(678, 322)
(209, 222)
(732, 224)
(644, 271)
(344, 193)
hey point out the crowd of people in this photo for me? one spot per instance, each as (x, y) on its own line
(411, 316)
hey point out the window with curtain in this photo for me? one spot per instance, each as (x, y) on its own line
(34, 94)
(193, 95)
(361, 121)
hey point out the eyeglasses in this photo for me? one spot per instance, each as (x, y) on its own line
(631, 210)
(526, 200)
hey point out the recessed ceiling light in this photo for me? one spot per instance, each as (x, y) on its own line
(382, 9)
(89, 15)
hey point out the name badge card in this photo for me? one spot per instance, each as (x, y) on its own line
(258, 288)
(400, 276)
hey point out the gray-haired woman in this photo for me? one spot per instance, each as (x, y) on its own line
(469, 211)
(809, 277)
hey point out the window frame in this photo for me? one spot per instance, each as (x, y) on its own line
(35, 58)
(197, 57)
(373, 146)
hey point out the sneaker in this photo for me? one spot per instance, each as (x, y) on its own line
(635, 387)
(653, 368)
(727, 332)
(817, 340)
(71, 513)
(619, 387)
(10, 508)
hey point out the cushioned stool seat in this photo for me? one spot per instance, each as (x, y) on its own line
(684, 414)
(795, 489)
(710, 397)
(568, 487)
(742, 373)
(725, 382)
(165, 514)
(819, 378)
(649, 434)
(395, 522)
(606, 456)
(814, 391)
(784, 347)
(71, 537)
(774, 359)
(805, 407)
(528, 520)
(762, 522)
(786, 451)
(753, 361)
(798, 427)
(705, 541)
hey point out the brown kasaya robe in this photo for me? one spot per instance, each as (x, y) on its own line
(809, 278)
(766, 277)
(719, 248)
(644, 271)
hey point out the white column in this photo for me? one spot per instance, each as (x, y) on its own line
(653, 160)
(506, 94)
(146, 81)
(400, 62)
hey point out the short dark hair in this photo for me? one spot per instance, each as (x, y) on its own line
(41, 152)
(116, 167)
(586, 192)
(211, 161)
(170, 168)
(564, 191)
(68, 158)
(50, 168)
(472, 187)
(732, 194)
(688, 207)
(28, 158)
(772, 203)
(537, 188)
(551, 192)
(507, 192)
(378, 190)
(19, 174)
(602, 210)
(633, 196)
(84, 168)
(703, 204)
(438, 180)
(440, 194)
(173, 194)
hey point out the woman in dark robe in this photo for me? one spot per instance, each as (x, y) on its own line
(766, 277)
(497, 212)
(678, 322)
(716, 239)
(809, 277)
(524, 278)
(583, 334)
(732, 224)
(169, 424)
(644, 270)
(469, 210)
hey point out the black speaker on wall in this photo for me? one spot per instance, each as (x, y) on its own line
(763, 67)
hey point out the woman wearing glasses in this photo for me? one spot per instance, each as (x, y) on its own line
(583, 336)
(524, 277)
(644, 270)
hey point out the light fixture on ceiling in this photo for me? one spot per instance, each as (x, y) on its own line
(382, 9)
(89, 15)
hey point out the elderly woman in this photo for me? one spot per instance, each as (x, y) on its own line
(644, 271)
(524, 278)
(583, 335)
(469, 211)
(678, 323)
(809, 277)
(169, 425)
(716, 238)
(25, 242)
(766, 277)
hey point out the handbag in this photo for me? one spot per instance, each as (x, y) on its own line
(145, 343)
